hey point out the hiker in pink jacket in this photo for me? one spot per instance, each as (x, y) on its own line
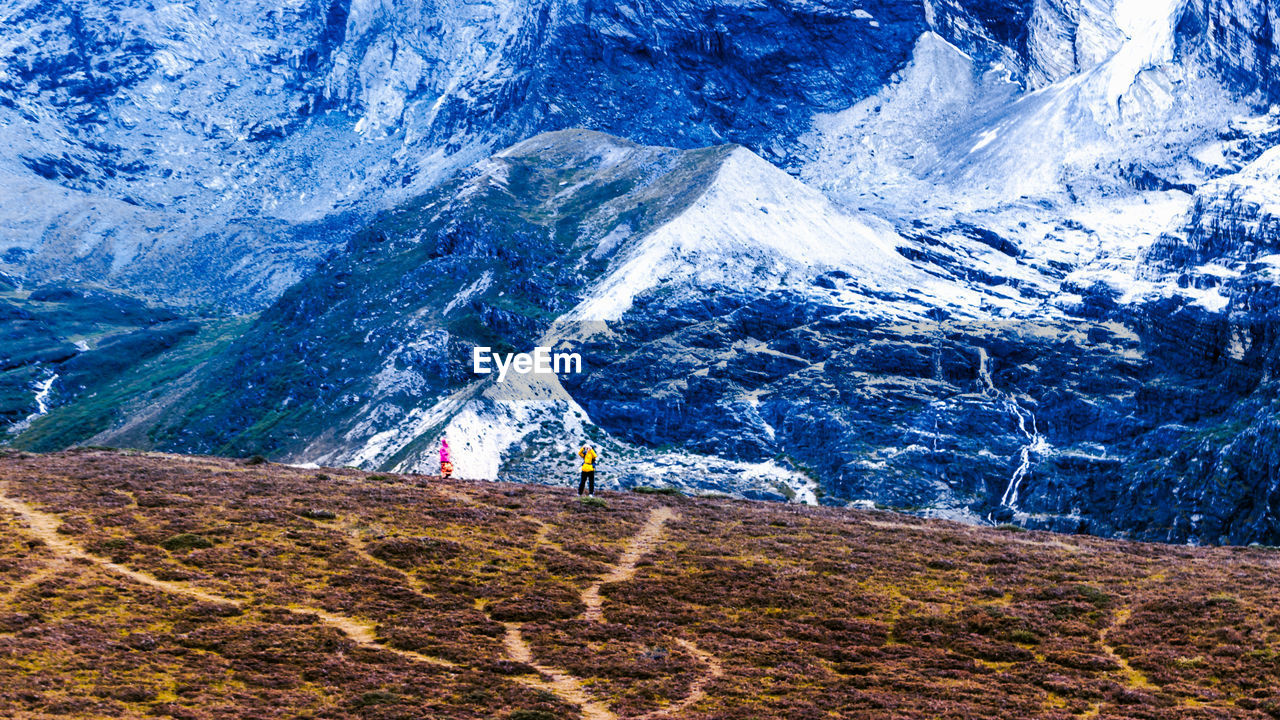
(446, 463)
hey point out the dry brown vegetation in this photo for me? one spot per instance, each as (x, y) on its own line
(139, 586)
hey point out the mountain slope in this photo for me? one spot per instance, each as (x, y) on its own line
(230, 144)
(740, 334)
(219, 140)
(145, 585)
(536, 245)
(1000, 261)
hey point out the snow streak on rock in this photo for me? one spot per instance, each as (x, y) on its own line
(1035, 442)
(43, 390)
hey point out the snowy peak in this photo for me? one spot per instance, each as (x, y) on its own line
(1109, 97)
(631, 220)
(753, 227)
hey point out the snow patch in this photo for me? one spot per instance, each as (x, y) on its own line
(480, 285)
(754, 226)
(699, 473)
(485, 428)
(987, 138)
(1149, 26)
(43, 390)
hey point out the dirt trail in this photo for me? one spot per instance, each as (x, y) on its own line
(563, 685)
(890, 525)
(365, 634)
(643, 543)
(45, 527)
(637, 547)
(698, 689)
(1134, 677)
(48, 570)
(569, 688)
(543, 535)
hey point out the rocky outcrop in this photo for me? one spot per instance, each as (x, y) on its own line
(1234, 221)
(1236, 40)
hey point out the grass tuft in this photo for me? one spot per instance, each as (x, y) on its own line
(650, 490)
(185, 542)
(377, 697)
(532, 715)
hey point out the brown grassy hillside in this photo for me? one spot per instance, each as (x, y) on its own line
(160, 586)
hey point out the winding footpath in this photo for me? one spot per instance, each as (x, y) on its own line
(569, 688)
(44, 526)
(643, 543)
(1133, 677)
(561, 684)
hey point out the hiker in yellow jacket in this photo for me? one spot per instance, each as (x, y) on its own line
(588, 455)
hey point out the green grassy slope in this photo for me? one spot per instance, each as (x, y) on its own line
(138, 391)
(85, 335)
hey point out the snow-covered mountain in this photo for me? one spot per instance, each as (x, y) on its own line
(229, 143)
(745, 225)
(1005, 261)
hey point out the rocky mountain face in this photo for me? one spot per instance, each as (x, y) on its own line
(219, 140)
(998, 261)
(228, 144)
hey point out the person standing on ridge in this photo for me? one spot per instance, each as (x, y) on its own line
(588, 455)
(446, 463)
